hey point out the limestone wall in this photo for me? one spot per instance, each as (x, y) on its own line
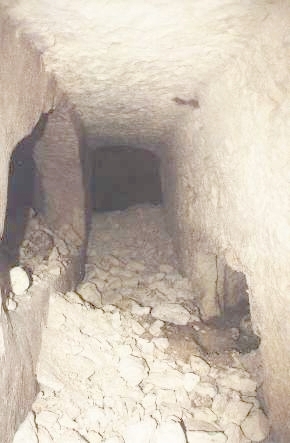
(225, 161)
(61, 178)
(26, 92)
(228, 190)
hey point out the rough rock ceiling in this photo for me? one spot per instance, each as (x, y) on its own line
(122, 62)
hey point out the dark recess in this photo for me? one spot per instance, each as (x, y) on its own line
(20, 192)
(125, 176)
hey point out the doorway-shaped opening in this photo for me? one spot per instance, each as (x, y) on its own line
(235, 309)
(20, 194)
(124, 176)
(23, 241)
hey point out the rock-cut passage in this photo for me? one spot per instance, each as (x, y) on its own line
(120, 362)
(123, 177)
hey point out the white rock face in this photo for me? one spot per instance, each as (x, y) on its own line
(19, 280)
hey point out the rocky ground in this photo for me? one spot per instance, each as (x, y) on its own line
(126, 359)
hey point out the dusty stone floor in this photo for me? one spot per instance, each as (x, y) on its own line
(122, 360)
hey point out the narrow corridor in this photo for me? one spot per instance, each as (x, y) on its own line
(120, 359)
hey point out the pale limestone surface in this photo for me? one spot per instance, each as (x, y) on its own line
(20, 281)
(106, 58)
(225, 164)
(104, 375)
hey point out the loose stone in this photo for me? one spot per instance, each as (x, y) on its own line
(199, 366)
(139, 310)
(172, 313)
(255, 426)
(133, 369)
(235, 412)
(89, 292)
(204, 414)
(170, 432)
(155, 328)
(235, 434)
(190, 381)
(122, 375)
(143, 431)
(165, 377)
(19, 280)
(11, 304)
(237, 380)
(206, 437)
(205, 389)
(135, 266)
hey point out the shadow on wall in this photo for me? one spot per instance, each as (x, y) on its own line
(124, 177)
(20, 192)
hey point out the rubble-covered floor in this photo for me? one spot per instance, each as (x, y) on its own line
(120, 359)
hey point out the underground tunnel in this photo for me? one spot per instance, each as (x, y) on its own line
(143, 151)
(121, 177)
(131, 269)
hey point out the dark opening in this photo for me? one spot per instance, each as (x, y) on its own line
(125, 176)
(236, 313)
(20, 195)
